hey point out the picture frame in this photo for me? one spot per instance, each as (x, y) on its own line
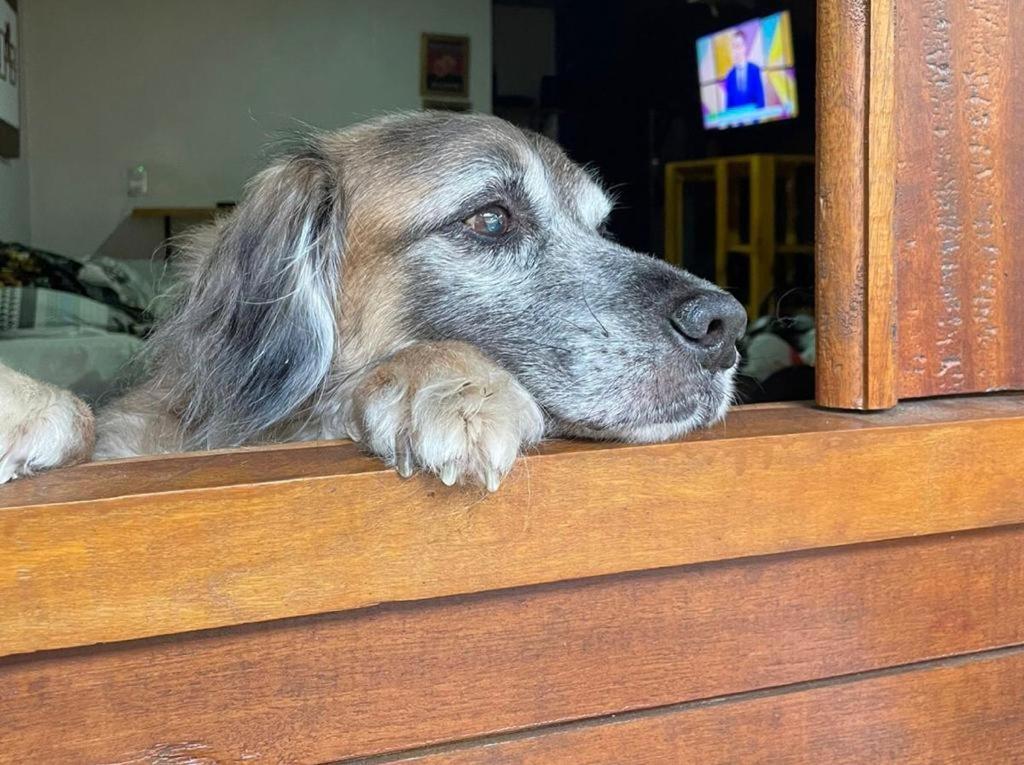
(10, 80)
(444, 66)
(439, 105)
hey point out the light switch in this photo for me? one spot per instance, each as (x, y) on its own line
(138, 181)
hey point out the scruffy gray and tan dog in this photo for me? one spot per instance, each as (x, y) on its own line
(435, 286)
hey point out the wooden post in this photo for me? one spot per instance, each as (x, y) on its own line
(855, 256)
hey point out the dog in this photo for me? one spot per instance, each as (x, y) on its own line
(436, 286)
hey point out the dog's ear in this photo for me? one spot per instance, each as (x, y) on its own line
(253, 336)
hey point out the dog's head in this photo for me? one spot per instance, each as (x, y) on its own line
(431, 226)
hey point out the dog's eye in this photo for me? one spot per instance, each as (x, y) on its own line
(492, 221)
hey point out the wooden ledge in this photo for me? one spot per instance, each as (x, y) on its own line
(122, 550)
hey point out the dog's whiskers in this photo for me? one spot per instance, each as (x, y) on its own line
(604, 329)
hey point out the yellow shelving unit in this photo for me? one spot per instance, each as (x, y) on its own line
(762, 245)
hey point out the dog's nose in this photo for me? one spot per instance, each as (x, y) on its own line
(711, 323)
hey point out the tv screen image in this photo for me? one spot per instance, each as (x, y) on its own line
(747, 74)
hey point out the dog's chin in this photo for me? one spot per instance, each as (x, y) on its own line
(710, 409)
(650, 433)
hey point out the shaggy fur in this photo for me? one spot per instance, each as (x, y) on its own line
(347, 296)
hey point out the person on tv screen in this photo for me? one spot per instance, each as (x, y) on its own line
(743, 85)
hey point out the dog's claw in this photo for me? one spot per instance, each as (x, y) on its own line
(404, 463)
(350, 424)
(353, 431)
(449, 474)
(492, 479)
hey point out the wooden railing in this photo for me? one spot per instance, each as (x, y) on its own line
(805, 585)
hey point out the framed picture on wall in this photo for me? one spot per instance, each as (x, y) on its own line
(444, 67)
(438, 105)
(10, 77)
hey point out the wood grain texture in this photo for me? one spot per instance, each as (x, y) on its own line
(856, 294)
(297, 461)
(379, 680)
(921, 172)
(960, 196)
(179, 550)
(880, 294)
(839, 222)
(958, 712)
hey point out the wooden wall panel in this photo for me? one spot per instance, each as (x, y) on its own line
(961, 712)
(181, 554)
(960, 195)
(324, 688)
(920, 257)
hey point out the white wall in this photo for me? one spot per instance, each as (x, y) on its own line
(14, 214)
(194, 89)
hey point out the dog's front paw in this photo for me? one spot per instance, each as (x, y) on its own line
(445, 408)
(41, 427)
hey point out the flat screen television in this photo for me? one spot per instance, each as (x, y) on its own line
(747, 75)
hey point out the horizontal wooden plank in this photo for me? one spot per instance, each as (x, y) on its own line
(396, 677)
(190, 552)
(297, 461)
(962, 711)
